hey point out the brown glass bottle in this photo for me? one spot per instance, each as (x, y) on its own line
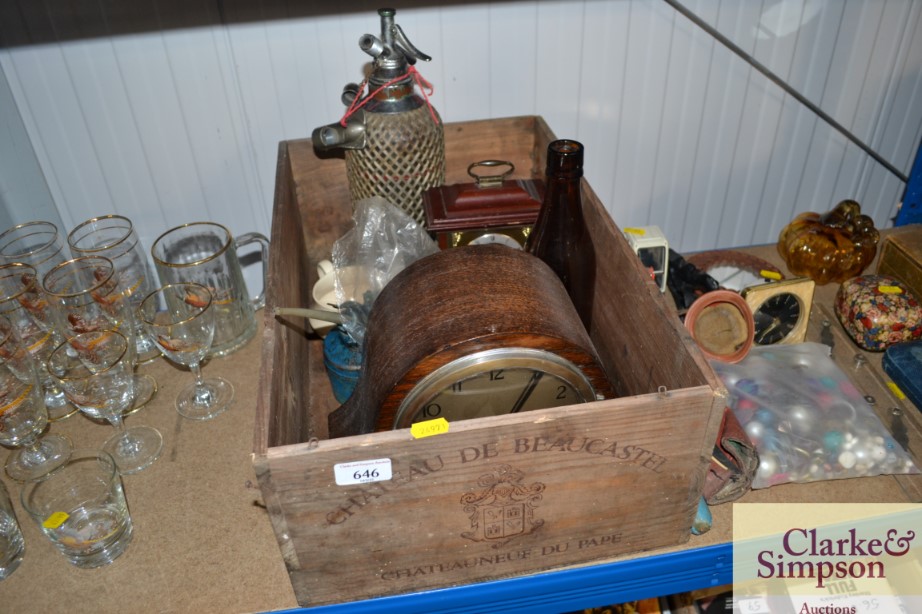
(560, 237)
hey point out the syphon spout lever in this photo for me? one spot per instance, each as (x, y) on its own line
(337, 136)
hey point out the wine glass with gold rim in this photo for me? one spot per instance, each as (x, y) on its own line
(113, 236)
(26, 307)
(180, 319)
(23, 415)
(38, 244)
(96, 372)
(85, 297)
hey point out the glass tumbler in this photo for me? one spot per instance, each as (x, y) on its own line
(82, 509)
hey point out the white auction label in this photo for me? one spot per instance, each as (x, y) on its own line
(362, 472)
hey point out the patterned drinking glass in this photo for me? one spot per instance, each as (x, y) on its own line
(26, 307)
(82, 510)
(96, 372)
(84, 297)
(180, 318)
(113, 236)
(23, 415)
(38, 244)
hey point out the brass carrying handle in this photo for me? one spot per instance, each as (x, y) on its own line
(490, 181)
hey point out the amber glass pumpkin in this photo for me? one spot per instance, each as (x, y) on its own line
(829, 247)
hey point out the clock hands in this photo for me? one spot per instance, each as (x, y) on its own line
(776, 318)
(532, 383)
(776, 322)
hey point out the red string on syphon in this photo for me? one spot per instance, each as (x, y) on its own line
(358, 102)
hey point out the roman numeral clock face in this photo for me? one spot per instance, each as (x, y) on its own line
(780, 310)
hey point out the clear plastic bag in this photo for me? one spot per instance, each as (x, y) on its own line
(384, 241)
(806, 419)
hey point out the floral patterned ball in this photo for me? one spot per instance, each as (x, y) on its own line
(878, 311)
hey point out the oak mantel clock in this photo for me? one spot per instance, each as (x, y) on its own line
(471, 332)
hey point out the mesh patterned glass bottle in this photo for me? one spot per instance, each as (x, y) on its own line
(393, 138)
(404, 155)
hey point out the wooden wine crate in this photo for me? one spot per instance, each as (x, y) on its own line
(493, 497)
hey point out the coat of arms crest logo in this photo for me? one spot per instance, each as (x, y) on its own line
(503, 508)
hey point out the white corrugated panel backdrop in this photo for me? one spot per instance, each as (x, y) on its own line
(169, 111)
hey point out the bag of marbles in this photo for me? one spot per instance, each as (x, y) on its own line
(806, 419)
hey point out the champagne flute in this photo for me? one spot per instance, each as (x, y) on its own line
(113, 236)
(180, 319)
(84, 295)
(26, 307)
(96, 372)
(23, 415)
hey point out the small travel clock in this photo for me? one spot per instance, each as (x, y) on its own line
(493, 209)
(780, 310)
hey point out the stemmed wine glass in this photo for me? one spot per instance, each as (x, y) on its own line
(96, 373)
(38, 244)
(180, 319)
(23, 415)
(26, 307)
(113, 236)
(84, 294)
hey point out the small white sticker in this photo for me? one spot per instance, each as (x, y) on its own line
(752, 605)
(362, 472)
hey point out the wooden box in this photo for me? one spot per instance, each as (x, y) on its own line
(494, 497)
(901, 256)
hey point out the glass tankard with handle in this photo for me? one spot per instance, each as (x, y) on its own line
(206, 253)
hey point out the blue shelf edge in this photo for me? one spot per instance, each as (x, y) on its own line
(565, 590)
(911, 210)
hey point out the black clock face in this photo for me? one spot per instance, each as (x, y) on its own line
(776, 318)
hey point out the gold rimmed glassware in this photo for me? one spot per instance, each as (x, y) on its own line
(84, 297)
(23, 415)
(180, 319)
(96, 373)
(26, 307)
(113, 236)
(206, 253)
(38, 244)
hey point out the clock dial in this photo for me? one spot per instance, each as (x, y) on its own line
(776, 318)
(496, 237)
(780, 310)
(495, 382)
